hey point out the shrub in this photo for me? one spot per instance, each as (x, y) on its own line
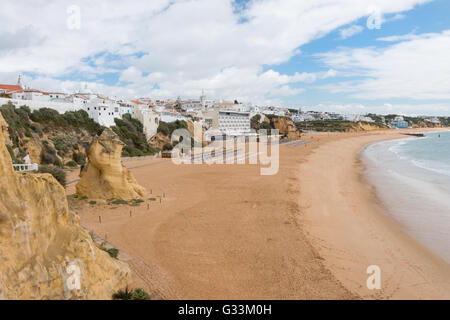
(167, 128)
(47, 115)
(71, 164)
(136, 202)
(127, 294)
(113, 252)
(18, 122)
(254, 122)
(266, 126)
(117, 201)
(79, 158)
(62, 143)
(140, 294)
(58, 163)
(11, 153)
(48, 154)
(132, 151)
(57, 173)
(35, 128)
(74, 119)
(130, 131)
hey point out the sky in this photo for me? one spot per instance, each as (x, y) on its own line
(348, 56)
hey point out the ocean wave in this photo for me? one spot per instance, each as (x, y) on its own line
(434, 166)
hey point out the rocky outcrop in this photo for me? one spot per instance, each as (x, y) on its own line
(44, 253)
(364, 126)
(4, 128)
(104, 176)
(159, 140)
(286, 127)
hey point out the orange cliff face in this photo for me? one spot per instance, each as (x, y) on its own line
(44, 253)
(104, 176)
(286, 127)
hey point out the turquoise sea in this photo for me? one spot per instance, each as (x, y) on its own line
(412, 179)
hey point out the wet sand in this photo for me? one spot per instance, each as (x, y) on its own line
(226, 232)
(352, 231)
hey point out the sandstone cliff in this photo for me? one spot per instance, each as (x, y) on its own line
(286, 127)
(104, 176)
(44, 253)
(159, 140)
(4, 128)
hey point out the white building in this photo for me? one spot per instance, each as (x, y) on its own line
(168, 116)
(61, 107)
(149, 119)
(228, 122)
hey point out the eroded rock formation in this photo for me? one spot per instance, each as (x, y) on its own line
(104, 176)
(286, 127)
(44, 253)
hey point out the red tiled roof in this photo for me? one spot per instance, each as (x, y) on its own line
(137, 102)
(10, 88)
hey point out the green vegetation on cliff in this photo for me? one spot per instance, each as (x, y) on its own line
(74, 119)
(57, 173)
(335, 125)
(18, 120)
(256, 124)
(63, 138)
(131, 132)
(167, 128)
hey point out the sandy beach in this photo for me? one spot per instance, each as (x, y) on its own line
(226, 232)
(350, 229)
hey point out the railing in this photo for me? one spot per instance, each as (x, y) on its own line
(124, 159)
(26, 167)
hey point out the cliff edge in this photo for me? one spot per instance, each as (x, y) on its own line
(286, 127)
(44, 253)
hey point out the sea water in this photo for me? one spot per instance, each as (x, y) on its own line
(412, 179)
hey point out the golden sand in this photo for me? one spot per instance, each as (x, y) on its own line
(308, 232)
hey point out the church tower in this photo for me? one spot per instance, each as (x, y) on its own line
(203, 99)
(19, 81)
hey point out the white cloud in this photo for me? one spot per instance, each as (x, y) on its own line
(350, 31)
(418, 68)
(180, 45)
(437, 109)
(132, 74)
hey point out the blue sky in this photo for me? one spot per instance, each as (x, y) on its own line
(429, 18)
(319, 55)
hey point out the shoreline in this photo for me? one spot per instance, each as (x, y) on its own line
(353, 229)
(412, 195)
(226, 232)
